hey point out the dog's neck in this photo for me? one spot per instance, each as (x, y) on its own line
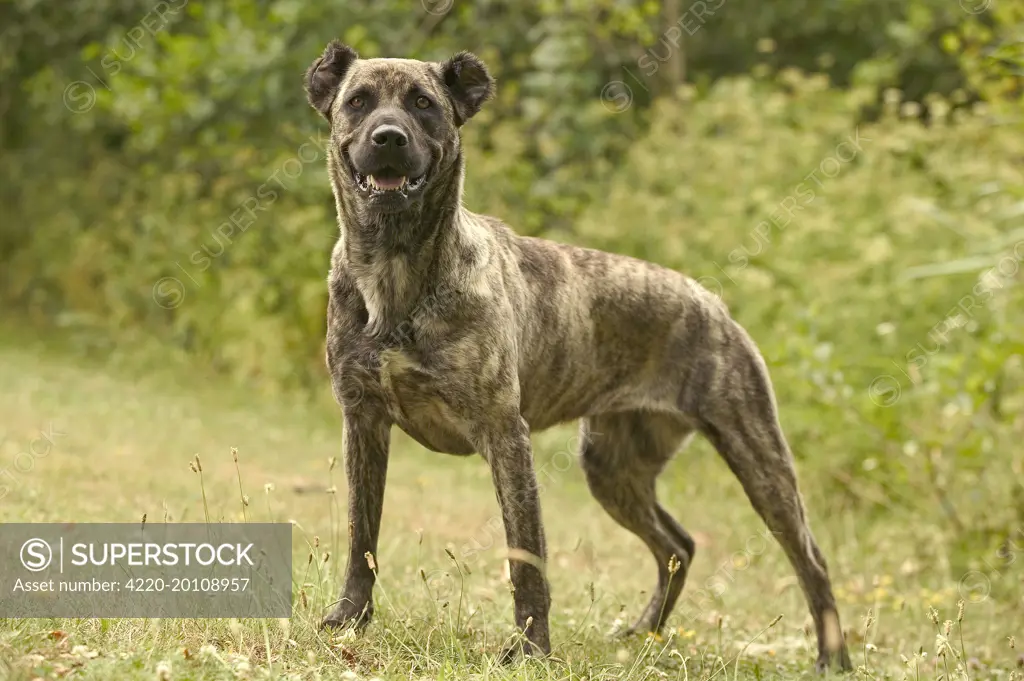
(394, 257)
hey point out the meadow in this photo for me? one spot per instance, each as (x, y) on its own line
(847, 177)
(125, 442)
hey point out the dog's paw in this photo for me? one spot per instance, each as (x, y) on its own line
(520, 649)
(624, 634)
(642, 627)
(348, 614)
(511, 653)
(838, 662)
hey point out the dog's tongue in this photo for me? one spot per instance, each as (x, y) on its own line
(388, 182)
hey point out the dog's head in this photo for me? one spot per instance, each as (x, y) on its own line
(394, 122)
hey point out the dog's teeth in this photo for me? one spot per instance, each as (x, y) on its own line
(388, 184)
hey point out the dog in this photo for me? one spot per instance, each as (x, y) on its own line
(469, 337)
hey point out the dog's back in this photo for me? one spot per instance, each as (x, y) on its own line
(595, 329)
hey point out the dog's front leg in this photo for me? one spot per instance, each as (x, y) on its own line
(367, 438)
(507, 450)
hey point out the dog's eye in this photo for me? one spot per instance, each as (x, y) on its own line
(422, 102)
(356, 102)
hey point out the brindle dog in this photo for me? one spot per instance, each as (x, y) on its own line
(469, 337)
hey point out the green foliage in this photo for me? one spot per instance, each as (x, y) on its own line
(844, 174)
(822, 234)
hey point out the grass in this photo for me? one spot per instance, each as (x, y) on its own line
(129, 437)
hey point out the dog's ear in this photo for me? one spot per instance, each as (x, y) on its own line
(325, 75)
(468, 83)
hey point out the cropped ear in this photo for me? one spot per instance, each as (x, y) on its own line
(325, 75)
(468, 83)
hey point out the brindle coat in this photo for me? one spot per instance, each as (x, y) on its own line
(469, 337)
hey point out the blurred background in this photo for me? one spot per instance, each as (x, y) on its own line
(847, 174)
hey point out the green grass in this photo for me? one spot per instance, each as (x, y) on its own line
(130, 432)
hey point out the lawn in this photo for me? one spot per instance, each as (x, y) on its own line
(125, 434)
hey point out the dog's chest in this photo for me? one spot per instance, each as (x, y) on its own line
(419, 405)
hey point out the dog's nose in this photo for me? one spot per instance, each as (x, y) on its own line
(389, 136)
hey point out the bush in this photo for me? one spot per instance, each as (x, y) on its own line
(877, 264)
(853, 228)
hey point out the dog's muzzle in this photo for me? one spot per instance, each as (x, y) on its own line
(388, 165)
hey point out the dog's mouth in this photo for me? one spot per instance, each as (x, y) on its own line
(388, 180)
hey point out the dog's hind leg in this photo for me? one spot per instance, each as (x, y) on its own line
(622, 455)
(729, 394)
